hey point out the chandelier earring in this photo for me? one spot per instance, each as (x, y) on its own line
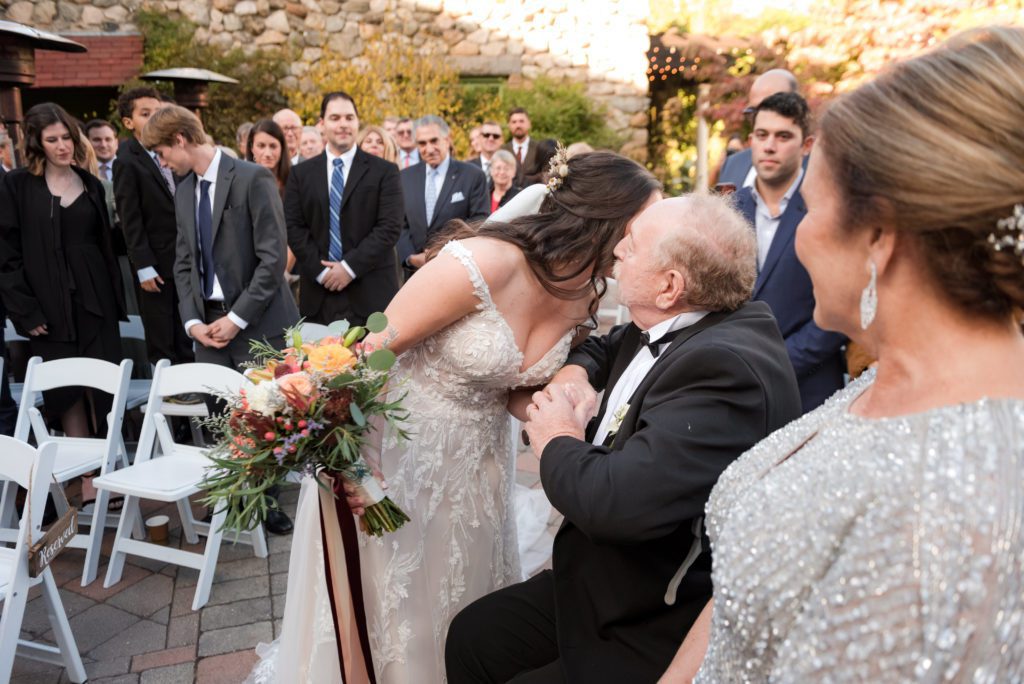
(869, 299)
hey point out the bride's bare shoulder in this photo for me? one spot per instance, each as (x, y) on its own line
(498, 261)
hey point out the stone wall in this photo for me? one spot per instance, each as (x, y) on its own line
(602, 43)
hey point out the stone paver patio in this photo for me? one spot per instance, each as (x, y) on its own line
(143, 630)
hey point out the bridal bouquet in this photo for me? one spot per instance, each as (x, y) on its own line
(308, 409)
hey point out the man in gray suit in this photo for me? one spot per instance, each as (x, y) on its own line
(231, 245)
(437, 191)
(738, 169)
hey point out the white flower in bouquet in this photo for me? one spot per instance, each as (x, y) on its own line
(265, 398)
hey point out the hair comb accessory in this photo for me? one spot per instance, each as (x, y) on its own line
(1009, 233)
(558, 168)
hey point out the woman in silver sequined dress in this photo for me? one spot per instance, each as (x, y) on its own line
(881, 537)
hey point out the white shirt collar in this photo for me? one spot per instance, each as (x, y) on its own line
(346, 160)
(211, 170)
(784, 202)
(442, 168)
(683, 320)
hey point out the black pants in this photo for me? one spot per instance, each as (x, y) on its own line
(336, 306)
(165, 335)
(507, 636)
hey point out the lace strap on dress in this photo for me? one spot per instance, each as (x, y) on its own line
(456, 249)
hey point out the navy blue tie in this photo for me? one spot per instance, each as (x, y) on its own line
(204, 223)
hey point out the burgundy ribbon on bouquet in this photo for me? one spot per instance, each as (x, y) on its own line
(350, 542)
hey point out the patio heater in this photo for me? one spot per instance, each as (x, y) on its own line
(18, 45)
(191, 85)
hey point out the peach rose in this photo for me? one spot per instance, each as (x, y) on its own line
(331, 358)
(298, 390)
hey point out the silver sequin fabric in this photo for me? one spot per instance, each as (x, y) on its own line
(849, 549)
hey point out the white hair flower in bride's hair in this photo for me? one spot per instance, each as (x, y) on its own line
(1010, 233)
(558, 168)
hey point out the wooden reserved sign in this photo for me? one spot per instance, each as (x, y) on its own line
(52, 542)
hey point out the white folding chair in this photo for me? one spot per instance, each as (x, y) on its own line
(138, 388)
(609, 306)
(312, 332)
(75, 456)
(173, 473)
(32, 469)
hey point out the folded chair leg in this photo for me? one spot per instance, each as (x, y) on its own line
(62, 629)
(259, 541)
(188, 527)
(10, 622)
(138, 531)
(116, 565)
(92, 552)
(210, 555)
(8, 513)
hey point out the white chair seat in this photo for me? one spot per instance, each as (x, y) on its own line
(166, 478)
(138, 393)
(76, 456)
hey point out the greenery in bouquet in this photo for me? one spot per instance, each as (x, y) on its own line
(310, 407)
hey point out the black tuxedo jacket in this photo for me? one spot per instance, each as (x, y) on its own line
(463, 196)
(248, 246)
(783, 283)
(524, 170)
(371, 222)
(145, 207)
(630, 507)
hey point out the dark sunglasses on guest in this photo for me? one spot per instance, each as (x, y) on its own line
(492, 136)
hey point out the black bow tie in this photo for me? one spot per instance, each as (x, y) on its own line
(655, 347)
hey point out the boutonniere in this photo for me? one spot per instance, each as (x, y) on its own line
(617, 418)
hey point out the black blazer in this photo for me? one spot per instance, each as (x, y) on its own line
(522, 178)
(146, 209)
(249, 249)
(783, 283)
(463, 196)
(630, 507)
(35, 282)
(371, 221)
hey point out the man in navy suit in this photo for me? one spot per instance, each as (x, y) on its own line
(437, 191)
(774, 207)
(738, 169)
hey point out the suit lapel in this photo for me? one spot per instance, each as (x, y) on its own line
(445, 195)
(783, 236)
(359, 166)
(319, 185)
(225, 174)
(146, 159)
(627, 350)
(188, 186)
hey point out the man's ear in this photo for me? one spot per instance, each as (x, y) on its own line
(127, 122)
(808, 144)
(672, 289)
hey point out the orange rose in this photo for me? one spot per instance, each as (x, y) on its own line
(298, 390)
(331, 358)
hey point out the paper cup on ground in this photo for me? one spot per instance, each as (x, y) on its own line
(157, 527)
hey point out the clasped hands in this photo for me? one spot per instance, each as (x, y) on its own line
(217, 334)
(562, 409)
(337, 278)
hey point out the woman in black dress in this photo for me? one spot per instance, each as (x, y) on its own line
(58, 273)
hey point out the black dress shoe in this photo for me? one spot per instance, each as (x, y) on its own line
(278, 522)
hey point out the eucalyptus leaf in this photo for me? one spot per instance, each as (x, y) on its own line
(340, 380)
(338, 328)
(296, 339)
(382, 360)
(357, 414)
(377, 322)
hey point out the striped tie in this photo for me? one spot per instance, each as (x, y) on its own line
(337, 192)
(431, 194)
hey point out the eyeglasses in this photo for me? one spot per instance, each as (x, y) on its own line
(492, 136)
(749, 112)
(403, 132)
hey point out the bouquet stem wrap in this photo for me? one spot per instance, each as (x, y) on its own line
(380, 512)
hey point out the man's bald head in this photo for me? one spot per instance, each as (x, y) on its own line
(769, 83)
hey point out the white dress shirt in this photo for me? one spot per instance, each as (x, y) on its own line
(637, 370)
(748, 182)
(106, 169)
(407, 159)
(218, 294)
(346, 165)
(767, 225)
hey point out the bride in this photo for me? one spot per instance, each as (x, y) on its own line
(492, 312)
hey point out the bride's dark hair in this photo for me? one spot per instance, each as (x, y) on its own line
(577, 226)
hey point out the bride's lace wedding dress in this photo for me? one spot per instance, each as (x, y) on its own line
(455, 479)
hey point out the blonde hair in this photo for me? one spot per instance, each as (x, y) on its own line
(169, 122)
(934, 145)
(390, 147)
(85, 155)
(714, 246)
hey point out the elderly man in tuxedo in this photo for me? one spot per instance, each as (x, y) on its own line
(344, 214)
(437, 191)
(699, 377)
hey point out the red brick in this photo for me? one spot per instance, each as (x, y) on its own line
(230, 667)
(111, 60)
(172, 656)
